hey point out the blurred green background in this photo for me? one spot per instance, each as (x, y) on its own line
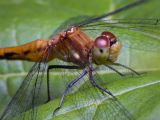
(22, 21)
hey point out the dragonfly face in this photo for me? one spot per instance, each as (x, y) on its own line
(106, 48)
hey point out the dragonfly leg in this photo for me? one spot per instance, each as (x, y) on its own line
(121, 74)
(118, 64)
(56, 67)
(93, 82)
(67, 88)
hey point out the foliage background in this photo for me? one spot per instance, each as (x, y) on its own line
(22, 21)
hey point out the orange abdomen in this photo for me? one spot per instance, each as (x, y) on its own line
(31, 51)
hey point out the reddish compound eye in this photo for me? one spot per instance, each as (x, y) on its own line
(101, 42)
(111, 37)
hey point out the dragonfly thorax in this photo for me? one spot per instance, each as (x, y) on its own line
(106, 48)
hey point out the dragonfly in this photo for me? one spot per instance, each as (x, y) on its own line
(71, 43)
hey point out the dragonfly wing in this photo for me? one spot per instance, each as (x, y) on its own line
(84, 20)
(137, 33)
(27, 96)
(110, 105)
(74, 21)
(142, 34)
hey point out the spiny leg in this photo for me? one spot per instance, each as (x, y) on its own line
(56, 67)
(118, 64)
(93, 82)
(115, 70)
(67, 88)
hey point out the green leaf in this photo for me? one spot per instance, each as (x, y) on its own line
(26, 20)
(139, 94)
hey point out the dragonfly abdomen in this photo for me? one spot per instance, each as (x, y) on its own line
(31, 51)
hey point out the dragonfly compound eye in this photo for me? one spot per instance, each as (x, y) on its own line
(101, 42)
(111, 37)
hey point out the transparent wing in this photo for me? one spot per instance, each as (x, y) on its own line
(137, 33)
(142, 34)
(85, 20)
(74, 21)
(29, 94)
(137, 24)
(33, 91)
(110, 107)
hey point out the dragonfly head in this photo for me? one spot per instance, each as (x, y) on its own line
(106, 48)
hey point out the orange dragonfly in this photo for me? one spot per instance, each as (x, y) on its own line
(72, 45)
